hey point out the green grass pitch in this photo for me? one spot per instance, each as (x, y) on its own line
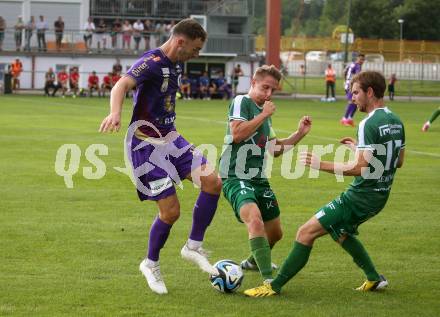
(75, 252)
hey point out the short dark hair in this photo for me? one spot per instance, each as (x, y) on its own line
(372, 79)
(189, 28)
(268, 70)
(361, 55)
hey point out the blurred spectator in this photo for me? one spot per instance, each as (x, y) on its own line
(330, 80)
(212, 89)
(93, 84)
(126, 34)
(106, 84)
(148, 29)
(223, 87)
(116, 30)
(185, 87)
(117, 67)
(100, 35)
(16, 69)
(41, 33)
(236, 73)
(59, 30)
(28, 32)
(2, 31)
(62, 77)
(89, 28)
(138, 28)
(391, 84)
(50, 83)
(115, 78)
(204, 85)
(161, 32)
(74, 81)
(168, 29)
(18, 33)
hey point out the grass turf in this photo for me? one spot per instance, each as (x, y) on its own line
(75, 252)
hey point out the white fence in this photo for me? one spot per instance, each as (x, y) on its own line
(410, 71)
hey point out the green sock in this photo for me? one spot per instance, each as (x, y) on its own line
(251, 257)
(434, 116)
(295, 261)
(261, 252)
(360, 256)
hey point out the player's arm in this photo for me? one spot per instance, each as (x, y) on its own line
(286, 144)
(242, 130)
(351, 168)
(113, 121)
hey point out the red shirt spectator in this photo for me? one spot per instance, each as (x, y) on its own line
(74, 77)
(115, 78)
(62, 77)
(107, 81)
(93, 80)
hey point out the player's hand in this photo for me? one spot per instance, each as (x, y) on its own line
(304, 125)
(349, 142)
(310, 159)
(268, 108)
(111, 123)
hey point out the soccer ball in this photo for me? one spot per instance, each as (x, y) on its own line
(229, 278)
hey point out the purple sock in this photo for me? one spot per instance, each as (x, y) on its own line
(159, 233)
(351, 109)
(204, 210)
(348, 111)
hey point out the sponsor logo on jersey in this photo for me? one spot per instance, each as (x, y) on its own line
(168, 105)
(268, 193)
(156, 59)
(390, 129)
(158, 186)
(139, 69)
(166, 76)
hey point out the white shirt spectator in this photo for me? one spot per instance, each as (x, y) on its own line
(138, 27)
(89, 28)
(41, 25)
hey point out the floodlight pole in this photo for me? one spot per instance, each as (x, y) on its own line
(400, 21)
(346, 34)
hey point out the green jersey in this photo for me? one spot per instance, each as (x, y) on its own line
(245, 160)
(383, 133)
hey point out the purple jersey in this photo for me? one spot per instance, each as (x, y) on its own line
(157, 81)
(353, 69)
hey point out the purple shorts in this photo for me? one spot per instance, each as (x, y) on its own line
(157, 167)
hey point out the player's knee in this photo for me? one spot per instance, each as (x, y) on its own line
(255, 226)
(304, 235)
(212, 184)
(170, 216)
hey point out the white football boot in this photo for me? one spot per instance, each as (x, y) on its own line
(153, 276)
(199, 257)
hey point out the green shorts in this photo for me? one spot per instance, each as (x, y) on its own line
(342, 217)
(239, 192)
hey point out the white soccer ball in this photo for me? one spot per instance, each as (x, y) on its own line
(229, 277)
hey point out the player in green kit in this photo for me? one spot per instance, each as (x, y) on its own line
(379, 152)
(248, 140)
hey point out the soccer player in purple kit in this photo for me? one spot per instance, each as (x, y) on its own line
(155, 78)
(352, 70)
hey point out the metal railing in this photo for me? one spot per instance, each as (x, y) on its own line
(73, 41)
(168, 8)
